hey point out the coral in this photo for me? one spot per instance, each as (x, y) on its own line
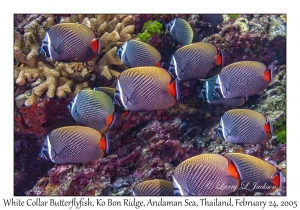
(145, 144)
(280, 129)
(233, 16)
(62, 80)
(277, 28)
(30, 44)
(21, 98)
(255, 44)
(272, 101)
(65, 87)
(31, 125)
(242, 24)
(104, 65)
(150, 28)
(113, 30)
(281, 137)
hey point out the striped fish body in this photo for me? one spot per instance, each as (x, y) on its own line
(256, 175)
(156, 187)
(70, 42)
(136, 53)
(195, 61)
(181, 31)
(93, 108)
(242, 79)
(205, 175)
(243, 126)
(73, 144)
(145, 88)
(108, 90)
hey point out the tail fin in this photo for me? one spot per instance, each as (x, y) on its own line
(272, 68)
(104, 143)
(223, 58)
(107, 140)
(281, 180)
(177, 89)
(271, 127)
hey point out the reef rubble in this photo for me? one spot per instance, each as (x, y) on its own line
(146, 145)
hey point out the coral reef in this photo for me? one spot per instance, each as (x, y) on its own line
(65, 80)
(256, 43)
(145, 145)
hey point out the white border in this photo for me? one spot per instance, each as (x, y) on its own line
(159, 7)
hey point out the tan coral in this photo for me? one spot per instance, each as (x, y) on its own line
(27, 49)
(20, 99)
(48, 23)
(65, 87)
(126, 33)
(114, 73)
(75, 71)
(27, 74)
(31, 100)
(110, 58)
(79, 87)
(111, 25)
(107, 38)
(60, 67)
(67, 79)
(50, 84)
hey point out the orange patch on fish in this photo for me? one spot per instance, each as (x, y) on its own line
(94, 45)
(158, 64)
(125, 113)
(172, 88)
(231, 169)
(109, 119)
(276, 180)
(267, 128)
(102, 143)
(267, 76)
(219, 59)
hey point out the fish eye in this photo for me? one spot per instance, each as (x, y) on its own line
(217, 92)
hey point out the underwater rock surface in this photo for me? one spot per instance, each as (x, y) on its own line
(145, 145)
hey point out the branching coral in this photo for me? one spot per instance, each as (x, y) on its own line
(63, 80)
(110, 58)
(26, 48)
(113, 31)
